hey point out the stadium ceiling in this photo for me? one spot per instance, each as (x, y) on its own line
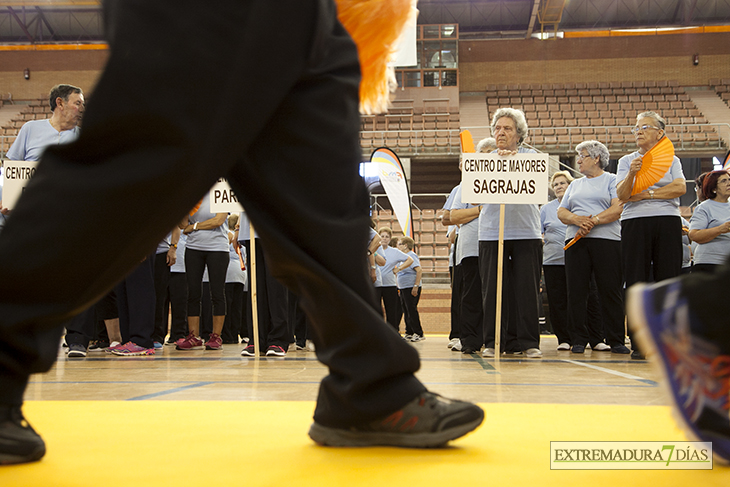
(80, 21)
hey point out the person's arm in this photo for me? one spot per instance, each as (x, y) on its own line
(172, 251)
(465, 215)
(452, 236)
(624, 187)
(446, 218)
(584, 223)
(675, 189)
(379, 260)
(208, 224)
(183, 223)
(405, 265)
(419, 272)
(709, 234)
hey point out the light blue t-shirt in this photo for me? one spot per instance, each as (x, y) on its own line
(234, 272)
(710, 214)
(164, 245)
(407, 277)
(244, 225)
(450, 200)
(590, 196)
(35, 136)
(686, 247)
(378, 270)
(554, 234)
(468, 245)
(179, 265)
(213, 240)
(521, 222)
(649, 207)
(392, 257)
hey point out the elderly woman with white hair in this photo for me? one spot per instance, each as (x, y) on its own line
(522, 255)
(651, 226)
(591, 210)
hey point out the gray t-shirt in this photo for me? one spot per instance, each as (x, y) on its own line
(710, 214)
(649, 207)
(35, 136)
(589, 197)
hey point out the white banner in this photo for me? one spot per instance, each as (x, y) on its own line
(223, 199)
(518, 179)
(16, 174)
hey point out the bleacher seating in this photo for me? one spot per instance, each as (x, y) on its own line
(722, 88)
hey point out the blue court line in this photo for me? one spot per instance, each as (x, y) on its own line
(169, 391)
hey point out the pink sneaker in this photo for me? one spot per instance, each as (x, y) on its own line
(190, 342)
(130, 349)
(215, 342)
(112, 346)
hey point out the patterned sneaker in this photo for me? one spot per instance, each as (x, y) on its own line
(191, 342)
(131, 349)
(417, 338)
(249, 351)
(275, 350)
(19, 443)
(696, 373)
(428, 421)
(112, 346)
(214, 342)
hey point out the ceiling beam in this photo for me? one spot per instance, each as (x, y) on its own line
(533, 17)
(23, 27)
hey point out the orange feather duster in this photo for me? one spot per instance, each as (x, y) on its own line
(375, 26)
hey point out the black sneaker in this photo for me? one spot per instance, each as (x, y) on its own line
(428, 421)
(19, 443)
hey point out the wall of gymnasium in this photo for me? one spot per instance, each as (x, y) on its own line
(81, 68)
(594, 59)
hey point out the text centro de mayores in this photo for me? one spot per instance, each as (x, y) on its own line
(502, 185)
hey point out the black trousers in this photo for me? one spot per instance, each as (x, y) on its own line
(162, 280)
(196, 262)
(707, 295)
(602, 258)
(391, 303)
(178, 299)
(471, 313)
(457, 281)
(271, 132)
(298, 326)
(409, 302)
(233, 324)
(651, 250)
(520, 290)
(271, 303)
(136, 303)
(557, 292)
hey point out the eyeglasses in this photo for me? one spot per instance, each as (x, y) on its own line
(638, 129)
(584, 156)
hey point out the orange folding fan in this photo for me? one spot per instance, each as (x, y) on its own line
(467, 142)
(654, 165)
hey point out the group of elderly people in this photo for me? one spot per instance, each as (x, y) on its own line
(617, 239)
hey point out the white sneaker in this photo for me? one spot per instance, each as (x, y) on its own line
(417, 338)
(564, 346)
(309, 346)
(627, 341)
(457, 346)
(601, 347)
(453, 342)
(533, 353)
(488, 352)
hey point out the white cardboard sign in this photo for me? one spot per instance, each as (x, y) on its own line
(494, 179)
(16, 176)
(223, 199)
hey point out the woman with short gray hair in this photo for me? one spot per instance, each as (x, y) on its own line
(651, 226)
(522, 255)
(591, 210)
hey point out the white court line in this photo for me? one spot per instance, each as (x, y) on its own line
(609, 371)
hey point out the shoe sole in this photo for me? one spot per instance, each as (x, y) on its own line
(34, 456)
(207, 347)
(645, 338)
(76, 355)
(198, 347)
(133, 354)
(325, 436)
